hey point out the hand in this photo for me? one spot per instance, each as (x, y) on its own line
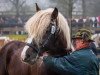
(44, 54)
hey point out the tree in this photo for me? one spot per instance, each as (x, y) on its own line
(18, 4)
(97, 8)
(91, 7)
(65, 6)
(84, 8)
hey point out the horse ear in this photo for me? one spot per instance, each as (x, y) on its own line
(37, 7)
(54, 14)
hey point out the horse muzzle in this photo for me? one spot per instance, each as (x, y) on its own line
(30, 59)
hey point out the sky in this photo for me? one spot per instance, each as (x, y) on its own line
(42, 3)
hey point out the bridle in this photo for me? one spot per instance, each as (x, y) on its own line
(53, 30)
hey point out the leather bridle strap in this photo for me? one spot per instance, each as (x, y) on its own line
(33, 47)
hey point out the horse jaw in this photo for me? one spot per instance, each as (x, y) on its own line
(23, 54)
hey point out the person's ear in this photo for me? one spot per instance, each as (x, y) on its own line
(83, 41)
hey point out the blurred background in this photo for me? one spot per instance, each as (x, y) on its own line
(14, 13)
(78, 13)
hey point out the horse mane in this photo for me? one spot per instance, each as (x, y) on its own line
(37, 25)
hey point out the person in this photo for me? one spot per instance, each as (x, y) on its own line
(74, 23)
(93, 47)
(80, 23)
(95, 22)
(88, 22)
(80, 62)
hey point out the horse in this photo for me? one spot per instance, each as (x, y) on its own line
(47, 28)
(48, 31)
(11, 63)
(96, 38)
(4, 40)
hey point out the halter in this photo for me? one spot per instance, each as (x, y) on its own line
(54, 29)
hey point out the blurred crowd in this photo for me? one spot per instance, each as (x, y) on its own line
(12, 20)
(76, 22)
(86, 22)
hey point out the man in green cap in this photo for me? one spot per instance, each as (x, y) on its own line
(80, 62)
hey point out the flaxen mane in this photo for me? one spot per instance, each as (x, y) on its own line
(36, 26)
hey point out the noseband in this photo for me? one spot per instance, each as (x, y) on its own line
(33, 47)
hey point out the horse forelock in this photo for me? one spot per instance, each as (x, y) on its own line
(37, 25)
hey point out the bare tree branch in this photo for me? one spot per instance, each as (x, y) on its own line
(18, 4)
(22, 3)
(12, 2)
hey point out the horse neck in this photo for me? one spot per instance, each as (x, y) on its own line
(43, 70)
(60, 46)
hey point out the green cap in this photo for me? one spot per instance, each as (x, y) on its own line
(83, 34)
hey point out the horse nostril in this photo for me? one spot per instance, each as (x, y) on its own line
(26, 58)
(28, 55)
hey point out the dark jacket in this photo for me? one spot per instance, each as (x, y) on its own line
(93, 47)
(81, 62)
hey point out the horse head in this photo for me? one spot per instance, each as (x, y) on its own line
(48, 31)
